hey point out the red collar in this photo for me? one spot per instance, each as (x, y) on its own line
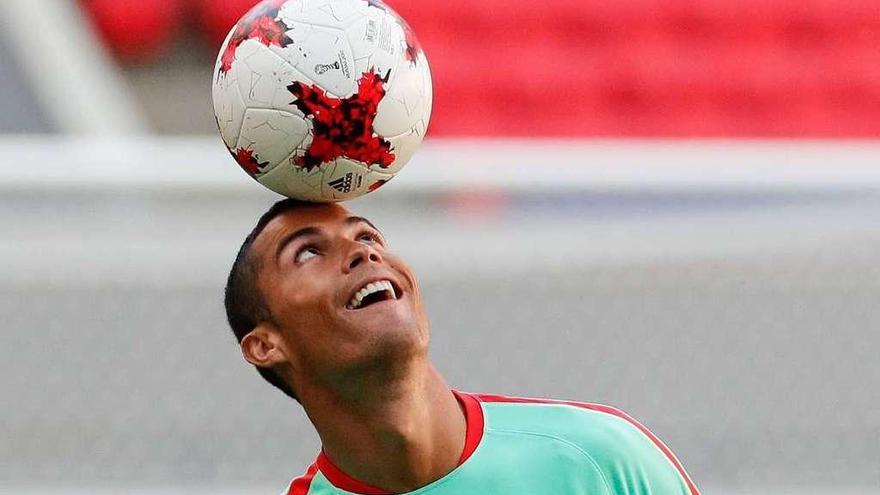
(473, 414)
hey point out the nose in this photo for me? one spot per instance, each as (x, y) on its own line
(361, 253)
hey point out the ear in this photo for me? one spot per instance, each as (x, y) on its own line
(263, 347)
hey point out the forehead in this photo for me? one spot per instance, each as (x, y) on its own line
(307, 216)
(318, 216)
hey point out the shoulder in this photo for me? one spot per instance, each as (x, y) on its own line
(302, 485)
(611, 437)
(569, 419)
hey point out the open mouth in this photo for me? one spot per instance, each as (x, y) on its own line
(374, 292)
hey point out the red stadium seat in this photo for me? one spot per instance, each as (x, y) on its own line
(798, 68)
(136, 30)
(678, 68)
(216, 17)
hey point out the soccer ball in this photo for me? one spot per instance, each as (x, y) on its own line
(322, 100)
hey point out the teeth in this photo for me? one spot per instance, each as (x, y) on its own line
(372, 287)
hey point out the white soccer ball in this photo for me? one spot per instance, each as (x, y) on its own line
(322, 100)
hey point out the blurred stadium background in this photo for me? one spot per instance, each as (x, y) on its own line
(668, 206)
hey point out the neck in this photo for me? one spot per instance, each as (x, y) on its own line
(396, 436)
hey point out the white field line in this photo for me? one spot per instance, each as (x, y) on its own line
(202, 163)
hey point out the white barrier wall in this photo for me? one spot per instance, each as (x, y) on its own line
(729, 304)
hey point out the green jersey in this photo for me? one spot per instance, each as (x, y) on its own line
(518, 446)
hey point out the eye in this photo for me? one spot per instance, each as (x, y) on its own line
(369, 237)
(306, 253)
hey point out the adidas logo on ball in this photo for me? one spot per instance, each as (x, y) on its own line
(342, 184)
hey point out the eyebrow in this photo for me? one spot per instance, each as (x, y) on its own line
(310, 231)
(353, 219)
(287, 239)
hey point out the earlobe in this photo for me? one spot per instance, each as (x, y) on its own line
(262, 347)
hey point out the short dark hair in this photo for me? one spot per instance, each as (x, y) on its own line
(245, 304)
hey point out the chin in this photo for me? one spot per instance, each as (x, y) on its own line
(398, 338)
(389, 347)
(385, 334)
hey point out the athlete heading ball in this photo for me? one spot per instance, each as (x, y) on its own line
(334, 319)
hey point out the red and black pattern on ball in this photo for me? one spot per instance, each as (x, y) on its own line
(413, 48)
(262, 24)
(343, 127)
(376, 185)
(248, 161)
(378, 4)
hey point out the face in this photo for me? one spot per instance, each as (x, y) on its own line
(340, 301)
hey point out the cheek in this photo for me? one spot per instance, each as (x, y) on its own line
(306, 319)
(402, 268)
(398, 265)
(301, 302)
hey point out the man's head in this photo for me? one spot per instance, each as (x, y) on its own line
(316, 299)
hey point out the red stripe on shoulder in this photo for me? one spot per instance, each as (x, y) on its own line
(300, 486)
(339, 479)
(473, 414)
(608, 410)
